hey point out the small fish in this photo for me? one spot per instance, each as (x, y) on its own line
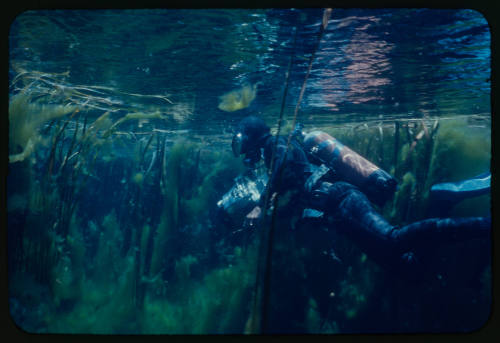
(239, 98)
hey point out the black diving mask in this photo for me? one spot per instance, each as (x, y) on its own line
(240, 146)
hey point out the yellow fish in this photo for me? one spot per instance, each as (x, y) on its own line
(239, 98)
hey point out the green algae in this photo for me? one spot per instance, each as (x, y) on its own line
(313, 318)
(25, 121)
(101, 294)
(218, 303)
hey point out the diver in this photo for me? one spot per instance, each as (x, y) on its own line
(343, 193)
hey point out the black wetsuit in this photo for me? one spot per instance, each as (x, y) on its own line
(354, 216)
(291, 167)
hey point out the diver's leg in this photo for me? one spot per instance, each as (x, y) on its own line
(359, 221)
(353, 215)
(420, 240)
(436, 231)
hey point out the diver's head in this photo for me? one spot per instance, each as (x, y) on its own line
(249, 137)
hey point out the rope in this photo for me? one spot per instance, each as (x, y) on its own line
(260, 305)
(326, 15)
(260, 297)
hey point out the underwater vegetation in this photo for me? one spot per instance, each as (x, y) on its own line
(118, 233)
(25, 121)
(100, 262)
(119, 151)
(420, 153)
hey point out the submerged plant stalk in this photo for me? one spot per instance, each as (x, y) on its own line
(396, 149)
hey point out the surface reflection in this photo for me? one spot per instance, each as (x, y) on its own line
(357, 76)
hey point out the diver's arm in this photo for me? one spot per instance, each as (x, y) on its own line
(273, 179)
(275, 172)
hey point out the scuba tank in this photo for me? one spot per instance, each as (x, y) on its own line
(348, 165)
(325, 154)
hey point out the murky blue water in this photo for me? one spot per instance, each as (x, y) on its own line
(369, 63)
(116, 206)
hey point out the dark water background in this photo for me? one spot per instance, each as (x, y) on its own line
(121, 240)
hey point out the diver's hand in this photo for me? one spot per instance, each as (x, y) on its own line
(253, 216)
